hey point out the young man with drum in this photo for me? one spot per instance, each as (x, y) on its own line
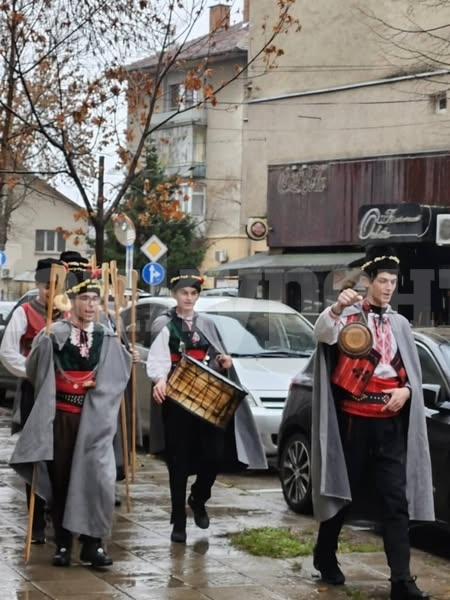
(192, 444)
(369, 421)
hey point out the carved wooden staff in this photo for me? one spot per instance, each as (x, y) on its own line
(123, 414)
(57, 278)
(134, 278)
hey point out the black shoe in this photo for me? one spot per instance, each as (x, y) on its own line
(178, 535)
(38, 537)
(406, 589)
(61, 557)
(117, 501)
(200, 515)
(328, 567)
(94, 553)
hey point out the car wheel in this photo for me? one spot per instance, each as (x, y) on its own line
(295, 473)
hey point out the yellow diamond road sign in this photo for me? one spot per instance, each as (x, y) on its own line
(154, 248)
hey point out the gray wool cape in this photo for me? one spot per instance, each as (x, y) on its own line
(330, 485)
(90, 499)
(249, 448)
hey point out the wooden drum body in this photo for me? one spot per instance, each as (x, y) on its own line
(204, 392)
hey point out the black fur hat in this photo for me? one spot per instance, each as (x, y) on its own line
(43, 268)
(80, 281)
(380, 259)
(187, 278)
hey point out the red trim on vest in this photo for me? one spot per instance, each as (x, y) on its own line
(71, 408)
(35, 322)
(379, 384)
(193, 352)
(76, 386)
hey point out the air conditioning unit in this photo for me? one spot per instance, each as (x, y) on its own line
(443, 230)
(6, 273)
(221, 256)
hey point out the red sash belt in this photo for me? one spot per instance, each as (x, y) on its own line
(194, 353)
(72, 382)
(68, 407)
(371, 406)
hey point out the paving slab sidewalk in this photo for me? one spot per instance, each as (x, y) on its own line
(148, 567)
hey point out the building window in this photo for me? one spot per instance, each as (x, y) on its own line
(440, 103)
(194, 203)
(180, 97)
(48, 240)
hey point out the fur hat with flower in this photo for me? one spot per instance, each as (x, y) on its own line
(380, 259)
(81, 277)
(186, 278)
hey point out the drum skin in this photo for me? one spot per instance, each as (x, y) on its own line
(355, 340)
(204, 392)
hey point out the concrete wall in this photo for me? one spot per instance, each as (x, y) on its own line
(340, 45)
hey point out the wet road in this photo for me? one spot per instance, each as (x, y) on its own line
(148, 567)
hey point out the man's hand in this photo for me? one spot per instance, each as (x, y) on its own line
(396, 399)
(159, 391)
(224, 361)
(346, 298)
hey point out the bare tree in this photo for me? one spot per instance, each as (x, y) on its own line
(64, 73)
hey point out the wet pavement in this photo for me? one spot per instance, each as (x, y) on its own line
(147, 566)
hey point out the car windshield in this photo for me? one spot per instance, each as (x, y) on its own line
(264, 334)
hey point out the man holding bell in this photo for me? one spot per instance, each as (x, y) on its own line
(192, 445)
(368, 419)
(79, 371)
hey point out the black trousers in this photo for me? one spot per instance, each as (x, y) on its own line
(376, 446)
(65, 431)
(193, 446)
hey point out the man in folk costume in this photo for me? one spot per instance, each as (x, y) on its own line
(79, 372)
(368, 417)
(192, 444)
(26, 322)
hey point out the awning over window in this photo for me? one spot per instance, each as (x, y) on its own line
(263, 261)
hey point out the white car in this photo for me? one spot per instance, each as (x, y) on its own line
(269, 342)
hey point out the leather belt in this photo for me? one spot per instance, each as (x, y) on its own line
(373, 398)
(74, 399)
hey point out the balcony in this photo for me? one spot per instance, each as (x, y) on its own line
(194, 116)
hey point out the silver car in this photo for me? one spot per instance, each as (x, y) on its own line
(269, 342)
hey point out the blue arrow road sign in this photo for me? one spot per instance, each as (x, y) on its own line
(153, 273)
(2, 258)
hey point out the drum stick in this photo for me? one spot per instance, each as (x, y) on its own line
(123, 414)
(134, 277)
(50, 300)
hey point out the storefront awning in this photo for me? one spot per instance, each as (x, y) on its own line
(264, 261)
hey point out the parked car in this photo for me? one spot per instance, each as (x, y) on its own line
(220, 291)
(294, 449)
(5, 308)
(269, 343)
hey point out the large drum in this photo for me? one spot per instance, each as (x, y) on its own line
(204, 392)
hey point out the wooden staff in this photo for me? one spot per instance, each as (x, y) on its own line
(51, 297)
(134, 278)
(123, 414)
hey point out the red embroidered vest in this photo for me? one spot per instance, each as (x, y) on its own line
(35, 322)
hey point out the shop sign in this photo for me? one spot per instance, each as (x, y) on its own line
(393, 222)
